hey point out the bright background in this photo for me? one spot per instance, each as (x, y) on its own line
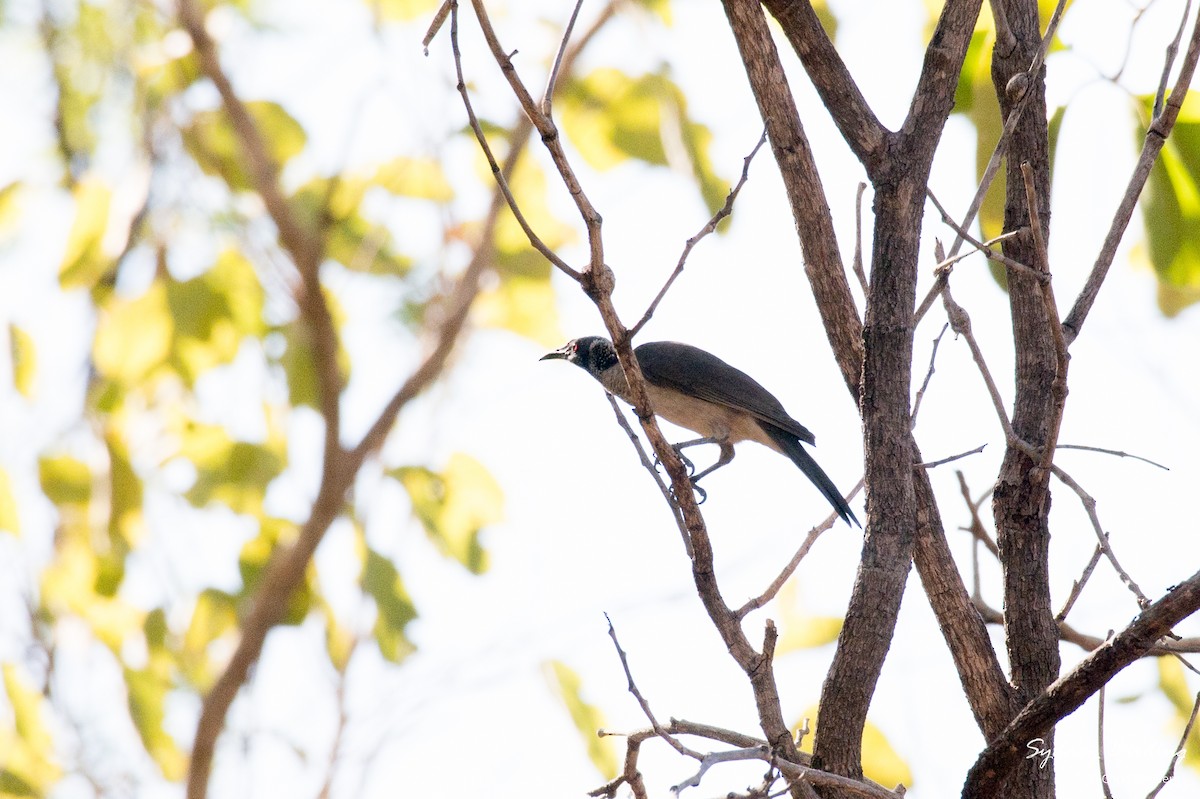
(586, 533)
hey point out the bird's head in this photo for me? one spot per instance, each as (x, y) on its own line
(593, 354)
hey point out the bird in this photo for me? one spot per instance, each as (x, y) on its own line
(697, 390)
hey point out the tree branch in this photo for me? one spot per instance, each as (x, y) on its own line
(1156, 136)
(1071, 690)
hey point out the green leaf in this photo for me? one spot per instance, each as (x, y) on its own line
(1173, 683)
(24, 360)
(10, 207)
(65, 480)
(234, 473)
(9, 518)
(455, 506)
(211, 140)
(213, 617)
(381, 581)
(1171, 210)
(524, 305)
(587, 717)
(420, 178)
(28, 767)
(612, 117)
(213, 313)
(133, 337)
(84, 261)
(147, 690)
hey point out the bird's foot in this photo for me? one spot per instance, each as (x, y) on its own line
(700, 493)
(687, 462)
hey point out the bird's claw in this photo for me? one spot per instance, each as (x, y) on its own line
(696, 488)
(687, 463)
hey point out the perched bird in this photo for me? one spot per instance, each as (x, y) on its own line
(697, 390)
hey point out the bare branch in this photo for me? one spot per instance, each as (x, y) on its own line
(1100, 743)
(1058, 389)
(960, 322)
(1179, 750)
(650, 467)
(708, 228)
(497, 173)
(550, 138)
(641, 700)
(1156, 136)
(1077, 586)
(1089, 505)
(552, 81)
(1071, 690)
(1116, 452)
(1010, 124)
(950, 459)
(788, 570)
(857, 263)
(928, 374)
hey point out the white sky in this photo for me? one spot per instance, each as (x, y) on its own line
(587, 533)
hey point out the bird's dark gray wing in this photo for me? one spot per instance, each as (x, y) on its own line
(701, 374)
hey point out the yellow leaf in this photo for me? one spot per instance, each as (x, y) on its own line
(84, 262)
(880, 761)
(134, 336)
(27, 767)
(802, 630)
(65, 480)
(588, 718)
(455, 506)
(24, 360)
(523, 305)
(403, 10)
(9, 518)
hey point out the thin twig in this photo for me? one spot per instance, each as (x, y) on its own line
(551, 139)
(976, 529)
(708, 228)
(641, 700)
(1089, 505)
(1077, 587)
(857, 264)
(1169, 59)
(649, 466)
(548, 97)
(1156, 135)
(928, 374)
(497, 173)
(984, 247)
(960, 322)
(1179, 750)
(788, 570)
(435, 25)
(950, 459)
(1100, 742)
(1116, 452)
(1010, 124)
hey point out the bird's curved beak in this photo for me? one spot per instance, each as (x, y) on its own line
(559, 354)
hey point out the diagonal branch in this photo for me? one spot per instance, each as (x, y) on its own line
(1071, 690)
(839, 93)
(1156, 136)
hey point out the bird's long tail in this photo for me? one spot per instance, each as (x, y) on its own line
(792, 447)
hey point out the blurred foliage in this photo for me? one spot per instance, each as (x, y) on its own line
(1171, 208)
(881, 763)
(588, 718)
(182, 459)
(199, 361)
